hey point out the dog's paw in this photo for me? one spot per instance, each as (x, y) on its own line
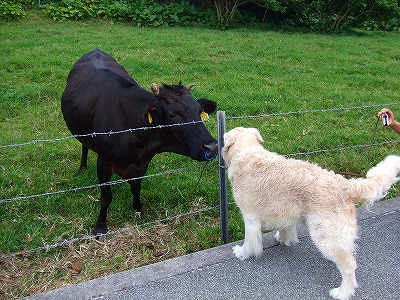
(277, 237)
(286, 241)
(338, 294)
(239, 252)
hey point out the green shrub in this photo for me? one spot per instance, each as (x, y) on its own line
(11, 10)
(384, 18)
(339, 15)
(144, 13)
(71, 9)
(148, 13)
(116, 11)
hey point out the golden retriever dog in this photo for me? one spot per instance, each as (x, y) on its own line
(274, 192)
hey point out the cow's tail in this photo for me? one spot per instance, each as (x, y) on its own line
(378, 181)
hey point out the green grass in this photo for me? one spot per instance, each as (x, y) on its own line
(248, 72)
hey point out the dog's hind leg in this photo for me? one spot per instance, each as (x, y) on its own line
(252, 239)
(346, 264)
(287, 235)
(335, 239)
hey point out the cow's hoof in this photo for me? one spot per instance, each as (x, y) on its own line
(80, 171)
(98, 231)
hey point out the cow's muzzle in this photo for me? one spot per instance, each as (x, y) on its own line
(211, 151)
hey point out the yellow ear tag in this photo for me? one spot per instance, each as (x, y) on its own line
(150, 118)
(204, 116)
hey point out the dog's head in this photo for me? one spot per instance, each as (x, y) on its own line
(240, 137)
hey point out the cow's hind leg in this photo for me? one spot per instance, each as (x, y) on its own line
(135, 190)
(104, 172)
(83, 165)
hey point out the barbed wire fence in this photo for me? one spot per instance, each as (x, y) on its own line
(47, 247)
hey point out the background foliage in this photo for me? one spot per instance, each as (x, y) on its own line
(341, 14)
(11, 10)
(321, 15)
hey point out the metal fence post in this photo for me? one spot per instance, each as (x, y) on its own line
(223, 199)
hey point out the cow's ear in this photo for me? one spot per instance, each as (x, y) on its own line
(208, 106)
(190, 86)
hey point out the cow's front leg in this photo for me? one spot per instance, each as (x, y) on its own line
(104, 172)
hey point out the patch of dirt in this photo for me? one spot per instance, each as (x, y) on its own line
(40, 272)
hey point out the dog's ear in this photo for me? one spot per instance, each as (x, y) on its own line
(258, 135)
(229, 140)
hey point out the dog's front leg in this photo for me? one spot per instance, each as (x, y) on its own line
(252, 239)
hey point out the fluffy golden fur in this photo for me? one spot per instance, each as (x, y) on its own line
(274, 192)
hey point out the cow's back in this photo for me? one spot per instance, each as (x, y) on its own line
(98, 96)
(97, 60)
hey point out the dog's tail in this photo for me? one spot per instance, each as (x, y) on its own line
(378, 180)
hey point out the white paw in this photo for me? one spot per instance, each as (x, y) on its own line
(286, 242)
(338, 294)
(258, 252)
(277, 237)
(239, 252)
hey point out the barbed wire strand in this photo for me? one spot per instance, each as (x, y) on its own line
(342, 148)
(114, 182)
(120, 181)
(47, 247)
(94, 134)
(332, 109)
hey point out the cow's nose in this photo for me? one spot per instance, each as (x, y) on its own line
(210, 151)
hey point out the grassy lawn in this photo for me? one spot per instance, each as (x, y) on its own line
(246, 71)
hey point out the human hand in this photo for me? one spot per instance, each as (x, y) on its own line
(388, 112)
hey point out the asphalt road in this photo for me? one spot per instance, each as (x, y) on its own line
(297, 272)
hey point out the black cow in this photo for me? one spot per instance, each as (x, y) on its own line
(100, 97)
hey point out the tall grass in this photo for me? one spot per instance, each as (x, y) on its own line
(248, 72)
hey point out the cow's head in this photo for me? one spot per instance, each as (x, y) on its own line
(179, 106)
